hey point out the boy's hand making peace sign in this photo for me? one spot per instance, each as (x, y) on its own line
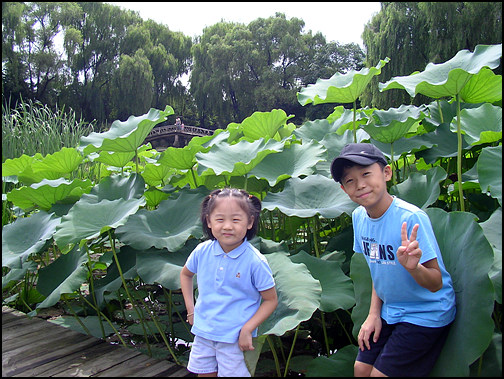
(409, 252)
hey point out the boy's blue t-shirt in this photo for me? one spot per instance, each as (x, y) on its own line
(228, 288)
(404, 300)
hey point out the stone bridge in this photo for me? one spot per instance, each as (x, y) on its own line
(162, 137)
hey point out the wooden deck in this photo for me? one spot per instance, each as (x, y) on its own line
(35, 347)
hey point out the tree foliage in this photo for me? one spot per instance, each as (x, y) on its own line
(242, 68)
(414, 34)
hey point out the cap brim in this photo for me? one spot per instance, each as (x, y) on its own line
(337, 164)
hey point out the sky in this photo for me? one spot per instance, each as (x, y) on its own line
(338, 21)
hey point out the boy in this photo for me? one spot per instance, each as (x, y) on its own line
(412, 301)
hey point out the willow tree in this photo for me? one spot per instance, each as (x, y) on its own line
(413, 34)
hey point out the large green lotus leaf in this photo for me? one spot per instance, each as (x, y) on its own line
(421, 189)
(493, 233)
(339, 364)
(48, 192)
(443, 139)
(314, 130)
(337, 288)
(88, 219)
(334, 143)
(154, 196)
(490, 171)
(63, 276)
(112, 281)
(480, 125)
(361, 277)
(114, 158)
(293, 161)
(125, 136)
(26, 236)
(309, 196)
(340, 88)
(163, 267)
(264, 124)
(297, 299)
(21, 167)
(17, 166)
(155, 174)
(117, 187)
(181, 158)
(390, 125)
(468, 257)
(64, 161)
(169, 226)
(483, 87)
(237, 159)
(491, 363)
(405, 145)
(449, 78)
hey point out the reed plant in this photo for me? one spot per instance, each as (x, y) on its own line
(32, 127)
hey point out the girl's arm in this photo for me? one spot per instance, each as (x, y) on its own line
(186, 284)
(268, 305)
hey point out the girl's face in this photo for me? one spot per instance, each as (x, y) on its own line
(229, 223)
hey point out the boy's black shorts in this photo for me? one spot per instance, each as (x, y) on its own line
(405, 349)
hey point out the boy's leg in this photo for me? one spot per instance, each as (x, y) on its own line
(364, 363)
(411, 350)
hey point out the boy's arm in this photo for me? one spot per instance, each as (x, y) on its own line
(428, 274)
(186, 284)
(268, 305)
(372, 324)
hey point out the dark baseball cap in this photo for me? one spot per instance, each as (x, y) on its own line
(364, 154)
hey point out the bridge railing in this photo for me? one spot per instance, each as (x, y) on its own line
(180, 129)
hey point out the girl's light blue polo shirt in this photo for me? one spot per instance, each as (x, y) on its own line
(228, 288)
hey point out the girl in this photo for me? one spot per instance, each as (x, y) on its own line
(232, 278)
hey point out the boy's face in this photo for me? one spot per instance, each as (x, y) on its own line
(367, 186)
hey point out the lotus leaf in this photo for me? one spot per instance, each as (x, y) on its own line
(314, 130)
(264, 124)
(449, 78)
(92, 324)
(297, 299)
(155, 174)
(125, 136)
(480, 125)
(114, 158)
(116, 187)
(64, 161)
(443, 139)
(112, 281)
(468, 257)
(339, 364)
(63, 276)
(87, 219)
(394, 123)
(340, 88)
(154, 196)
(421, 189)
(169, 226)
(493, 233)
(337, 288)
(156, 266)
(48, 192)
(26, 236)
(485, 86)
(293, 161)
(180, 158)
(307, 197)
(490, 171)
(237, 159)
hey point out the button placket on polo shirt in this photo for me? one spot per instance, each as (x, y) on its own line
(221, 270)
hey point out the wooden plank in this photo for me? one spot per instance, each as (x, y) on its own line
(111, 358)
(69, 361)
(35, 347)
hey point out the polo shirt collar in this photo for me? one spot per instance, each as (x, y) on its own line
(235, 253)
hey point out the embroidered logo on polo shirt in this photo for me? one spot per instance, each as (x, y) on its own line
(238, 275)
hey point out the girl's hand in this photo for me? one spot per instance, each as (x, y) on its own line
(190, 318)
(245, 341)
(408, 254)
